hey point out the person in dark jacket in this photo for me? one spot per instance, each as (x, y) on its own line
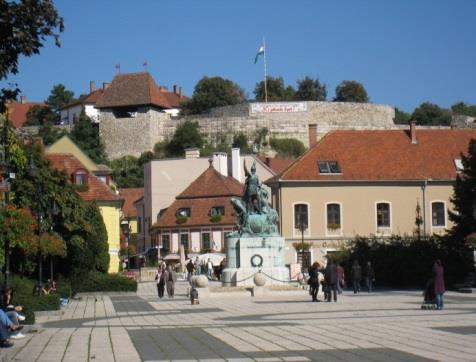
(438, 273)
(340, 278)
(356, 276)
(314, 280)
(369, 276)
(331, 280)
(160, 280)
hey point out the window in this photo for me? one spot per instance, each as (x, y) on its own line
(300, 216)
(333, 216)
(185, 211)
(438, 214)
(206, 241)
(80, 177)
(383, 215)
(217, 211)
(166, 242)
(184, 241)
(331, 167)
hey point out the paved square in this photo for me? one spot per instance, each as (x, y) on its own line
(281, 326)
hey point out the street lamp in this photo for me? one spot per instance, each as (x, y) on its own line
(302, 227)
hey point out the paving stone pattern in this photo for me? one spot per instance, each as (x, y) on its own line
(282, 326)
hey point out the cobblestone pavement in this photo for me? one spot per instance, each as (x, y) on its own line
(281, 326)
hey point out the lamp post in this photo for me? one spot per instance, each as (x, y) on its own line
(302, 226)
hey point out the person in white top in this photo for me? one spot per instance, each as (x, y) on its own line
(210, 269)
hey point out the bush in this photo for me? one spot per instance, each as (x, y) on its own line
(98, 282)
(287, 147)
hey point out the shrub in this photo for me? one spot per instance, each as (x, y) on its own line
(181, 219)
(215, 218)
(98, 282)
(287, 147)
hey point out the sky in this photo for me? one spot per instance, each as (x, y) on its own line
(404, 52)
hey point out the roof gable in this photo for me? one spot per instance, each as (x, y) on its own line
(18, 111)
(131, 195)
(66, 146)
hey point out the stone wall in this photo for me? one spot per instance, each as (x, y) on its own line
(132, 136)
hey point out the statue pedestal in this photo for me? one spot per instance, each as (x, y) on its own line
(248, 255)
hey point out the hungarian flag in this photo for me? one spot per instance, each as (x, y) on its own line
(260, 52)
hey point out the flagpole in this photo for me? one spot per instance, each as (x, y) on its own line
(265, 78)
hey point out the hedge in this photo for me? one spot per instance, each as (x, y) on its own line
(99, 282)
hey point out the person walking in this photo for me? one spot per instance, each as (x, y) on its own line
(210, 269)
(171, 278)
(340, 278)
(356, 276)
(314, 281)
(190, 269)
(369, 276)
(438, 273)
(198, 266)
(331, 280)
(160, 280)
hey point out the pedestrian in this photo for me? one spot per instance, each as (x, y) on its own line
(340, 278)
(210, 269)
(331, 280)
(198, 266)
(221, 267)
(190, 269)
(314, 281)
(438, 273)
(171, 278)
(160, 280)
(369, 276)
(12, 310)
(356, 276)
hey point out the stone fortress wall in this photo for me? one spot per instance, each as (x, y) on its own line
(132, 136)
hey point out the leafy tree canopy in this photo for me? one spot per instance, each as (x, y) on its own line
(186, 135)
(41, 115)
(240, 140)
(351, 91)
(213, 92)
(50, 134)
(287, 147)
(276, 90)
(431, 114)
(464, 197)
(402, 117)
(59, 97)
(86, 136)
(462, 108)
(25, 25)
(311, 90)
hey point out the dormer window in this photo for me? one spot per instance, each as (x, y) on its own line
(184, 211)
(217, 211)
(328, 167)
(80, 177)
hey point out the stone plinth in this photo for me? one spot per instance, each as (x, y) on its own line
(248, 255)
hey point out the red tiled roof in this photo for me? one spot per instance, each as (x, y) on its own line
(211, 183)
(133, 89)
(383, 156)
(130, 196)
(97, 190)
(91, 98)
(18, 111)
(276, 165)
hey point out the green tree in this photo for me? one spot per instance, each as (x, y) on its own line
(287, 147)
(40, 115)
(186, 135)
(126, 172)
(59, 97)
(212, 92)
(401, 117)
(462, 108)
(16, 226)
(431, 114)
(311, 90)
(25, 25)
(351, 91)
(50, 134)
(86, 136)
(276, 90)
(240, 140)
(464, 197)
(160, 149)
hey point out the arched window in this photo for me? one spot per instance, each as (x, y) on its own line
(383, 215)
(438, 214)
(301, 215)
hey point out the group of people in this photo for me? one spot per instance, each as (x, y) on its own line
(332, 280)
(165, 279)
(195, 268)
(10, 318)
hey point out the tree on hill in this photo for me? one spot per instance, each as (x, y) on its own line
(287, 147)
(276, 90)
(212, 92)
(311, 90)
(25, 25)
(464, 197)
(462, 108)
(50, 134)
(86, 136)
(40, 115)
(351, 91)
(59, 97)
(431, 114)
(186, 135)
(240, 141)
(401, 117)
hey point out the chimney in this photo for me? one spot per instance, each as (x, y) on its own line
(92, 86)
(236, 164)
(192, 153)
(175, 88)
(105, 85)
(312, 134)
(22, 99)
(220, 162)
(413, 132)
